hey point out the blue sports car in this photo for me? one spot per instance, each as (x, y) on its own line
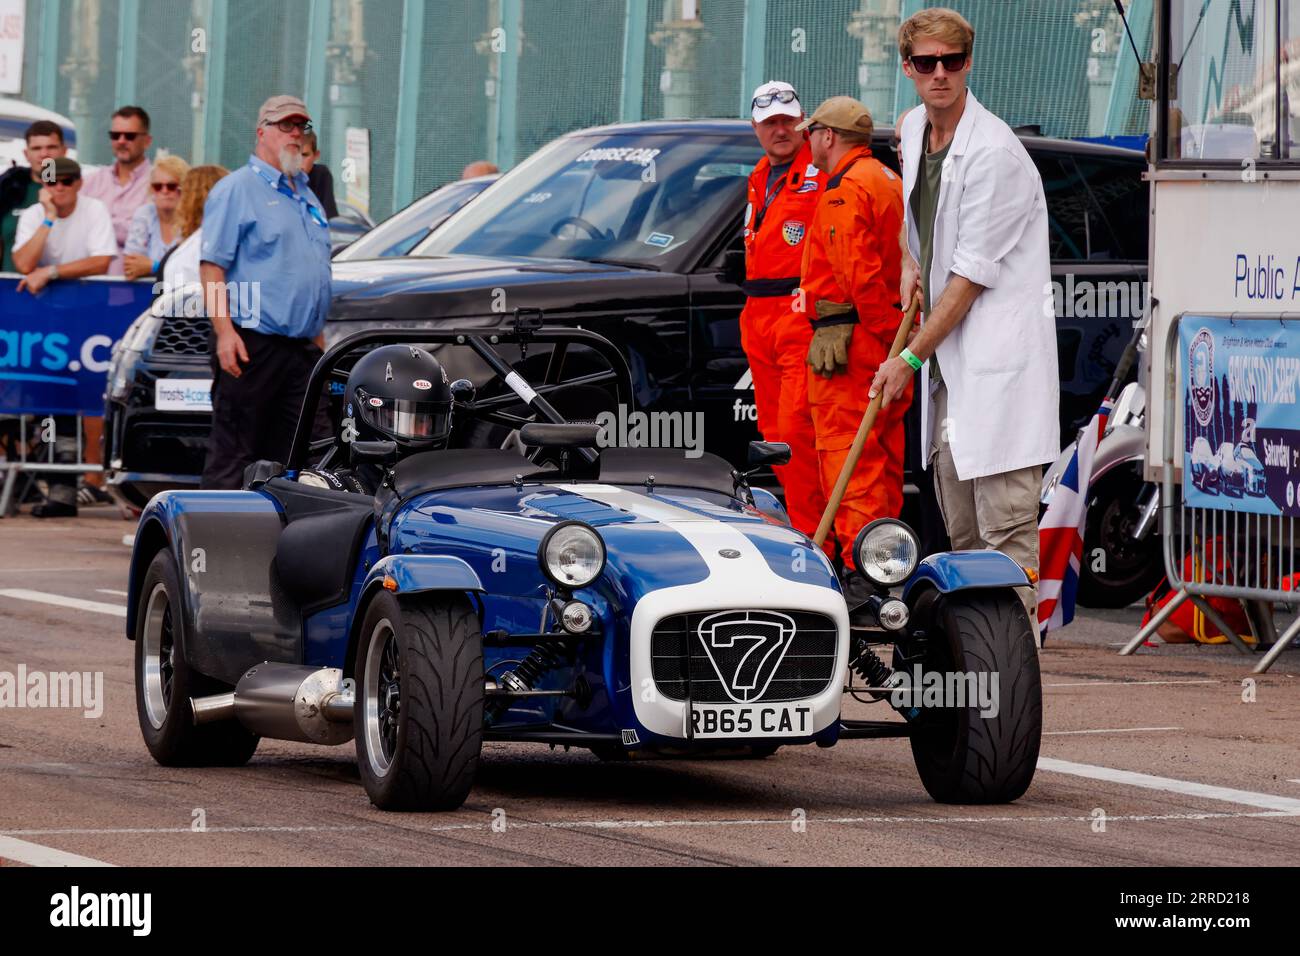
(634, 601)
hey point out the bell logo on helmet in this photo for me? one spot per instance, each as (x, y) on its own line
(376, 402)
(423, 384)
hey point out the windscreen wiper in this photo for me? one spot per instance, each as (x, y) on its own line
(620, 262)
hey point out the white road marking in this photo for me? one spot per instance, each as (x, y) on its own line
(33, 854)
(1293, 780)
(40, 570)
(108, 831)
(1110, 730)
(1135, 683)
(695, 824)
(44, 597)
(1205, 791)
(112, 591)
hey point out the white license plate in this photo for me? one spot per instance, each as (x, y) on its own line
(751, 720)
(183, 395)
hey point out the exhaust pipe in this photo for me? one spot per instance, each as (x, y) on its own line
(285, 702)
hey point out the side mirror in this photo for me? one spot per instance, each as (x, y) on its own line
(763, 453)
(733, 266)
(462, 391)
(374, 453)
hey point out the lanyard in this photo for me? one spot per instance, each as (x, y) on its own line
(771, 196)
(316, 215)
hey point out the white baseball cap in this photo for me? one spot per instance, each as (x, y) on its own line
(775, 107)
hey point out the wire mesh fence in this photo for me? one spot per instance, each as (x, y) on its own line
(441, 83)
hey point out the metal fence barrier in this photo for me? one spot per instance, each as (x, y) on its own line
(1233, 554)
(38, 450)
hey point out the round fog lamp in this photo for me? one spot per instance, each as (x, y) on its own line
(572, 554)
(576, 617)
(893, 615)
(887, 551)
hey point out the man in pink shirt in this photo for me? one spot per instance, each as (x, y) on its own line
(124, 186)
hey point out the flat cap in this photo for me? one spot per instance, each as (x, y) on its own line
(841, 112)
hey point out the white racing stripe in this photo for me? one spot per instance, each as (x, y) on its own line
(33, 854)
(58, 600)
(1187, 788)
(112, 591)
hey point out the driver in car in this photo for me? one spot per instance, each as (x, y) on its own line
(396, 393)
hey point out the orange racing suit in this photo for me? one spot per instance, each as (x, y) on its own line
(852, 265)
(774, 338)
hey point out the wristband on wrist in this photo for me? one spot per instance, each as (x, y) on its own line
(48, 223)
(907, 356)
(153, 267)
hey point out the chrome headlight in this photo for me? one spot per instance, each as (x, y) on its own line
(572, 554)
(887, 552)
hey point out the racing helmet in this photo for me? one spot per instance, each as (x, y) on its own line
(399, 393)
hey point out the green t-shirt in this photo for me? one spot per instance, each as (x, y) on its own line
(925, 205)
(9, 226)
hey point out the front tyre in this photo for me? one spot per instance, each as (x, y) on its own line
(962, 755)
(419, 702)
(165, 683)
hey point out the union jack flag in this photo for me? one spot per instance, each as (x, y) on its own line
(1060, 530)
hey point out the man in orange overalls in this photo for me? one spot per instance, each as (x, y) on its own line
(849, 283)
(783, 191)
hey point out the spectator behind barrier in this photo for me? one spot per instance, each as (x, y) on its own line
(153, 227)
(124, 186)
(20, 185)
(64, 236)
(180, 266)
(480, 167)
(319, 178)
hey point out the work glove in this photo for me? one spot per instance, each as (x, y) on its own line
(829, 351)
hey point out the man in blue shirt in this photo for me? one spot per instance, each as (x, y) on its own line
(265, 267)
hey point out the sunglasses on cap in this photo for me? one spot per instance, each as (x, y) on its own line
(170, 187)
(122, 134)
(67, 180)
(288, 125)
(764, 100)
(926, 62)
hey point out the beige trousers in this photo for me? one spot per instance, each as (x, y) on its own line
(994, 511)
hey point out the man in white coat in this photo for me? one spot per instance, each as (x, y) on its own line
(975, 247)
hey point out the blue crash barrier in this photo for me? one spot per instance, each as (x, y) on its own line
(55, 346)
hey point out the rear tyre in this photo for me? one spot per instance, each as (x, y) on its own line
(964, 757)
(165, 683)
(419, 701)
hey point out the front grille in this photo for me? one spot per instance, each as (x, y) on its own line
(183, 335)
(805, 670)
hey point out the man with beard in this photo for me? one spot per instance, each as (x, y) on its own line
(265, 268)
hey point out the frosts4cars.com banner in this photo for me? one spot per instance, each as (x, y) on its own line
(1241, 435)
(55, 346)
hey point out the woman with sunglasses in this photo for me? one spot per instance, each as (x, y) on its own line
(154, 228)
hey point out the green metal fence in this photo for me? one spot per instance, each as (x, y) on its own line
(441, 83)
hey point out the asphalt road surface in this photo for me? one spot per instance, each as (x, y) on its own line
(1162, 758)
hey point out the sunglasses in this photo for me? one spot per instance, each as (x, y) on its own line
(288, 126)
(122, 134)
(170, 187)
(926, 62)
(68, 180)
(780, 96)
